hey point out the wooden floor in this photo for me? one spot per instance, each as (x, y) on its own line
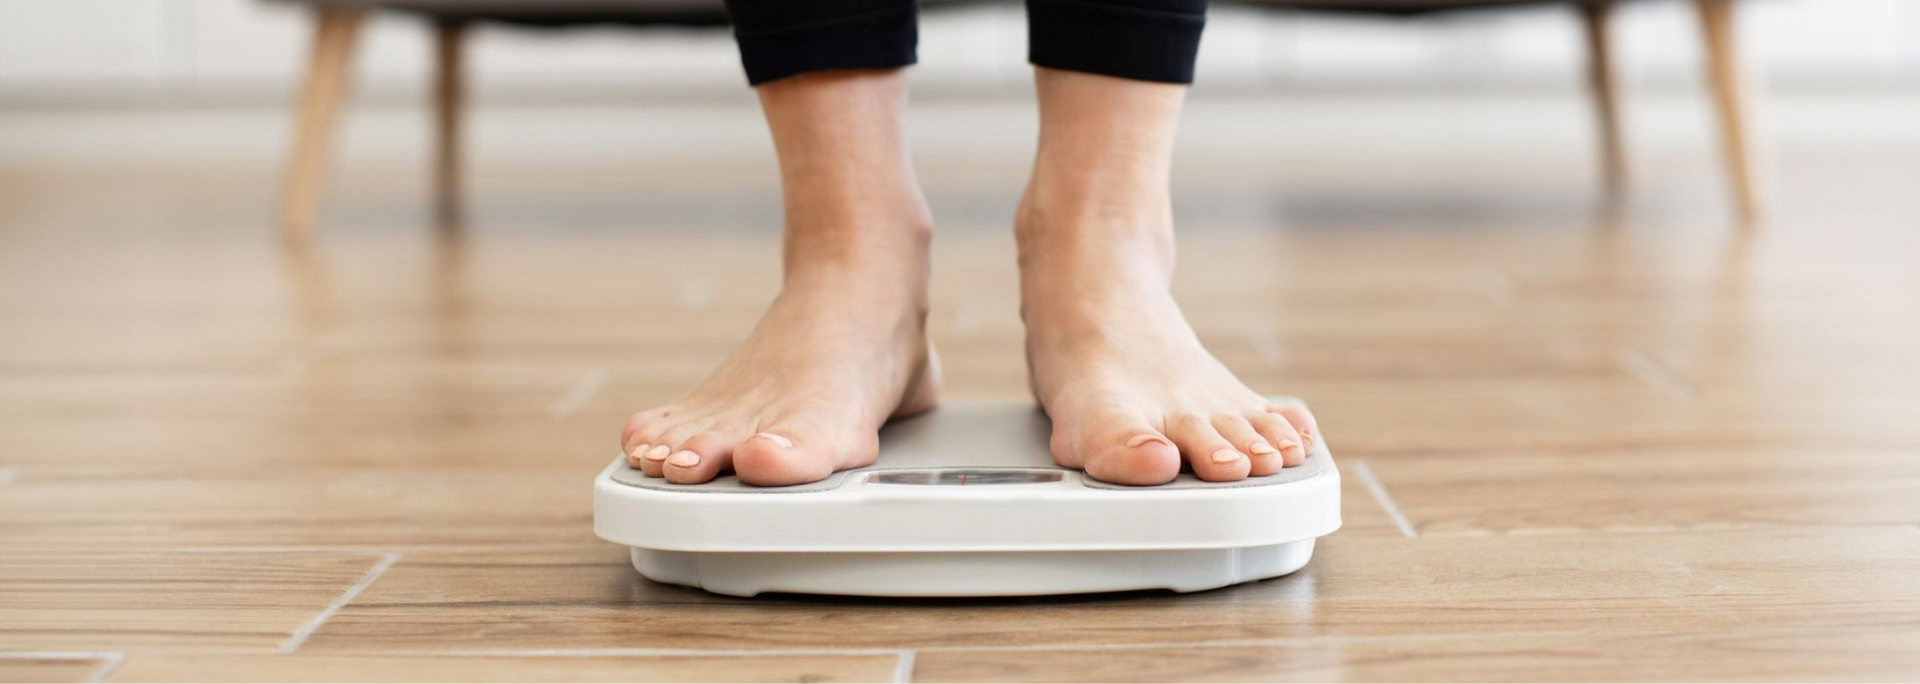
(1575, 448)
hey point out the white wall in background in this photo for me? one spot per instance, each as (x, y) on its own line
(248, 49)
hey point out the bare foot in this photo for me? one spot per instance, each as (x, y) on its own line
(838, 354)
(1131, 391)
(844, 346)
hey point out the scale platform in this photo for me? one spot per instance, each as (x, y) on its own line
(966, 501)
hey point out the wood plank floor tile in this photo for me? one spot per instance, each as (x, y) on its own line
(204, 601)
(1420, 417)
(52, 666)
(1651, 489)
(505, 668)
(228, 447)
(201, 426)
(348, 509)
(1736, 655)
(1370, 586)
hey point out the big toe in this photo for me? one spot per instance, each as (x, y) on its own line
(1129, 453)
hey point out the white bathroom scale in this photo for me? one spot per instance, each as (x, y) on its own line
(965, 500)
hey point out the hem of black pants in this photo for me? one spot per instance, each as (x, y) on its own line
(1140, 43)
(881, 40)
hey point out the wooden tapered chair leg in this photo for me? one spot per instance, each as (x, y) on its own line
(1603, 82)
(336, 29)
(1747, 163)
(449, 101)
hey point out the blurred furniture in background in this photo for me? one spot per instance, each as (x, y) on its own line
(336, 25)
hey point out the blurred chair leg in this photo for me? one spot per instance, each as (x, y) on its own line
(1746, 161)
(336, 28)
(449, 100)
(1606, 102)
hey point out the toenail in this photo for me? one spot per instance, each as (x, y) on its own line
(1262, 448)
(1143, 439)
(684, 459)
(657, 453)
(776, 439)
(1307, 437)
(1286, 444)
(639, 450)
(1227, 456)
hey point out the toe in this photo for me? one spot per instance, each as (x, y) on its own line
(786, 453)
(1211, 456)
(1137, 456)
(643, 443)
(1302, 422)
(1282, 435)
(653, 462)
(1263, 457)
(664, 441)
(1115, 446)
(701, 457)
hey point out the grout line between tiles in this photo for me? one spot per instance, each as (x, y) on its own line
(774, 652)
(245, 551)
(577, 395)
(109, 660)
(1224, 643)
(1645, 369)
(908, 656)
(903, 670)
(1379, 492)
(109, 663)
(1441, 637)
(650, 652)
(293, 643)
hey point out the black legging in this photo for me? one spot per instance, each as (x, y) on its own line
(1148, 40)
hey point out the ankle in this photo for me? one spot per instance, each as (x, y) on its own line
(875, 237)
(874, 275)
(858, 242)
(1093, 242)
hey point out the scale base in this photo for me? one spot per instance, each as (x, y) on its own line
(966, 501)
(956, 574)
